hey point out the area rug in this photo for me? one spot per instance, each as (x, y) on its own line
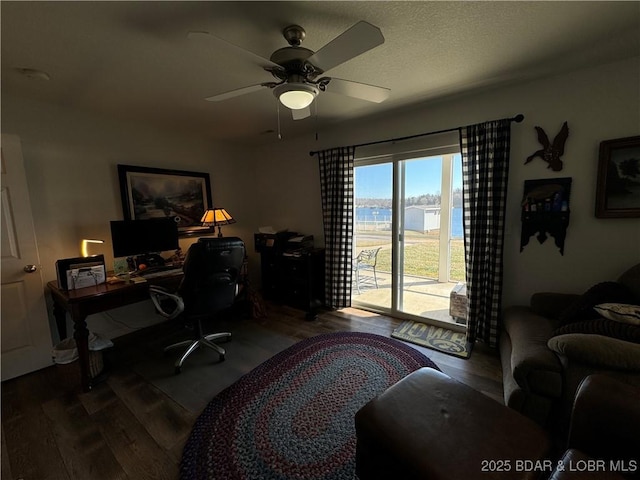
(436, 338)
(292, 417)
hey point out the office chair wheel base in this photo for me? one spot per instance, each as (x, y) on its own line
(222, 358)
(177, 370)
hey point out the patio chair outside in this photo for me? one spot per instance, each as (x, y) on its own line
(366, 261)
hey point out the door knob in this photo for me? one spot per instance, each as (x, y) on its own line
(30, 268)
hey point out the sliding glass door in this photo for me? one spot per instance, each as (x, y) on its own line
(373, 244)
(409, 212)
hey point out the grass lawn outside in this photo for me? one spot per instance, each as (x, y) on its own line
(421, 255)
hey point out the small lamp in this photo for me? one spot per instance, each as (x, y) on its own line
(216, 217)
(84, 249)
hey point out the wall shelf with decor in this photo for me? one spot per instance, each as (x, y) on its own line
(545, 210)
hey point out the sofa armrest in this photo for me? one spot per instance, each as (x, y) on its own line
(598, 351)
(549, 304)
(605, 420)
(534, 366)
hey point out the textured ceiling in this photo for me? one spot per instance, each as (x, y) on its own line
(132, 60)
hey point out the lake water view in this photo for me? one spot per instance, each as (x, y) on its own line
(368, 214)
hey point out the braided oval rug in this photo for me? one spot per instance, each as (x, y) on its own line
(292, 417)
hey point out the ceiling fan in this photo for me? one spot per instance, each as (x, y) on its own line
(298, 70)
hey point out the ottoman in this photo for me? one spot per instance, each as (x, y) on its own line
(430, 426)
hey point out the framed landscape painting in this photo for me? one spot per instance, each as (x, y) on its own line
(157, 192)
(618, 188)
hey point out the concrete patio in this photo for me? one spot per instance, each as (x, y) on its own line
(423, 297)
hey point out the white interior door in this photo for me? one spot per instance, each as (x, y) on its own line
(26, 337)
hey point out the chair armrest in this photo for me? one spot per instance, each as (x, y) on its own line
(158, 289)
(551, 304)
(167, 304)
(605, 420)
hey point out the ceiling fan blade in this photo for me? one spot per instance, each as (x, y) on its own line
(363, 91)
(257, 59)
(358, 39)
(301, 113)
(236, 93)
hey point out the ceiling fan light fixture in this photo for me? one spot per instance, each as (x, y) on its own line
(295, 96)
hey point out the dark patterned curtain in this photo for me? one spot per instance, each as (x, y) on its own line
(485, 168)
(336, 183)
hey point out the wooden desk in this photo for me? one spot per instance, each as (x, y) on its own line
(86, 301)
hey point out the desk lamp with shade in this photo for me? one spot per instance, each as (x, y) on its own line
(216, 217)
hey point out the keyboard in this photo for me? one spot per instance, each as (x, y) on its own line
(161, 273)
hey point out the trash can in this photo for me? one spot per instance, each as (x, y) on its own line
(65, 356)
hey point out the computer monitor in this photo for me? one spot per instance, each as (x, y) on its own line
(143, 237)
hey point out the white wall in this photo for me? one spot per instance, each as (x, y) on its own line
(599, 104)
(71, 158)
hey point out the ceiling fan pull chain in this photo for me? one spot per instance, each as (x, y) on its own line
(278, 115)
(315, 108)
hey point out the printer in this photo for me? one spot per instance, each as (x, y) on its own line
(272, 242)
(299, 244)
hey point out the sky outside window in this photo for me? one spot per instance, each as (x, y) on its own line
(374, 181)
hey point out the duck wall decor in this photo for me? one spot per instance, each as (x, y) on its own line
(551, 152)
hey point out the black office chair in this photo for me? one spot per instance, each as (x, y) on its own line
(211, 272)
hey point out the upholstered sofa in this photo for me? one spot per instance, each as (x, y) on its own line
(548, 347)
(603, 434)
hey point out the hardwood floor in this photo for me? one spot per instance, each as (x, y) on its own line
(128, 428)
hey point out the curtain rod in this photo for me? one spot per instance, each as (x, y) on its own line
(518, 118)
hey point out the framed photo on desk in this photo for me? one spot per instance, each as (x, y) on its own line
(158, 192)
